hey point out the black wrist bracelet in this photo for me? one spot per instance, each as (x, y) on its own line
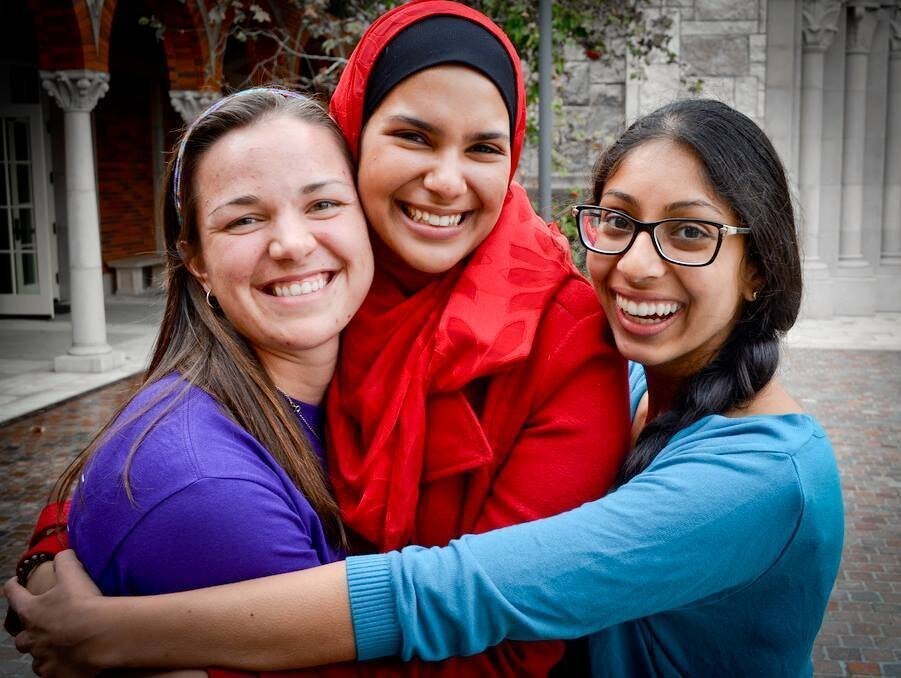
(29, 564)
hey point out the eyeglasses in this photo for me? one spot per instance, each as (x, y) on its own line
(687, 242)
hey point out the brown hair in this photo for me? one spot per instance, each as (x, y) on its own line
(199, 343)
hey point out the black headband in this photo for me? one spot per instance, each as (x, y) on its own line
(441, 40)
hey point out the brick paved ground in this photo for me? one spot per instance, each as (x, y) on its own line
(857, 396)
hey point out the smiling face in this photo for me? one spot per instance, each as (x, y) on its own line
(434, 166)
(283, 243)
(668, 317)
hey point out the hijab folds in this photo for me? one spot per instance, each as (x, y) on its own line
(401, 407)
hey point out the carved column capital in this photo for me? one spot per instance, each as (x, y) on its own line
(863, 16)
(76, 90)
(819, 23)
(894, 29)
(190, 103)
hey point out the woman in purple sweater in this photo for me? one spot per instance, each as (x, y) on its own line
(220, 451)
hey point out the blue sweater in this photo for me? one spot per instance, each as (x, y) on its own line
(211, 505)
(718, 559)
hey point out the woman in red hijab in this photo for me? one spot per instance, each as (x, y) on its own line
(476, 387)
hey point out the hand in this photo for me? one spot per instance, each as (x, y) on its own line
(61, 624)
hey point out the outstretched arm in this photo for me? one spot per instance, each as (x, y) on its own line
(73, 625)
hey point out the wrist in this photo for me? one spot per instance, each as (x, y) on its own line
(105, 621)
(29, 564)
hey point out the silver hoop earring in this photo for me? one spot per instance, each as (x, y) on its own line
(208, 302)
(753, 295)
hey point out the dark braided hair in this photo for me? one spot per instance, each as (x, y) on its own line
(744, 170)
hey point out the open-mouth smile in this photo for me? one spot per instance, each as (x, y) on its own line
(301, 286)
(426, 218)
(647, 312)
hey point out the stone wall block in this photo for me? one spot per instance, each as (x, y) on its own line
(719, 27)
(574, 84)
(758, 71)
(716, 55)
(722, 89)
(676, 17)
(747, 91)
(601, 72)
(757, 48)
(574, 52)
(607, 112)
(572, 140)
(660, 86)
(726, 9)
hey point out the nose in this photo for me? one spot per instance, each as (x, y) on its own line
(291, 238)
(641, 261)
(446, 178)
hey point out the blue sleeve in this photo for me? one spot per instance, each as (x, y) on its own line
(213, 531)
(699, 526)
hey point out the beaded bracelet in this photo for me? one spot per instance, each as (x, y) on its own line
(28, 565)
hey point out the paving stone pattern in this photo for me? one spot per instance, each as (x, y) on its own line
(855, 394)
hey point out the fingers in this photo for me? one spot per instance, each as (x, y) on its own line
(18, 597)
(24, 642)
(70, 571)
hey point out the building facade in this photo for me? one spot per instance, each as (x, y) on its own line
(91, 99)
(823, 78)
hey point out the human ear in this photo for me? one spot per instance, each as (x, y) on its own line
(752, 282)
(194, 263)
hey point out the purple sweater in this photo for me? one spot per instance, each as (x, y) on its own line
(211, 505)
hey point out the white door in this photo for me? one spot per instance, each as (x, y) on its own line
(26, 283)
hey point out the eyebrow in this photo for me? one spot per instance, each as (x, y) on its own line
(671, 207)
(415, 122)
(251, 199)
(431, 129)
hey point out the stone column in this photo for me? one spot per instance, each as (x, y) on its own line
(77, 92)
(190, 103)
(891, 219)
(819, 24)
(863, 16)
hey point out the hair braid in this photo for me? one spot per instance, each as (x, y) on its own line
(742, 367)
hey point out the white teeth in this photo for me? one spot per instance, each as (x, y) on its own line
(299, 289)
(646, 309)
(433, 219)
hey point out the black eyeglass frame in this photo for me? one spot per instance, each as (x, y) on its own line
(648, 227)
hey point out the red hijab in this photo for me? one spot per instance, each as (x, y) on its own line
(398, 412)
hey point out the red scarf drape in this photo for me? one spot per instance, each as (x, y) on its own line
(407, 358)
(409, 354)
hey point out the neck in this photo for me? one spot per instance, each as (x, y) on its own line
(303, 375)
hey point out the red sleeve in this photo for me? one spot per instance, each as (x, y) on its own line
(577, 432)
(568, 453)
(50, 536)
(574, 389)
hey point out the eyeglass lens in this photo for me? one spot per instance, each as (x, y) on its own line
(689, 242)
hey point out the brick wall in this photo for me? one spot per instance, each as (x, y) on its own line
(124, 168)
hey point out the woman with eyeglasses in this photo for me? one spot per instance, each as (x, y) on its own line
(714, 556)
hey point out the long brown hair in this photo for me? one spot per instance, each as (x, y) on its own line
(199, 343)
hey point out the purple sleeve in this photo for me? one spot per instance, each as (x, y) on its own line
(213, 531)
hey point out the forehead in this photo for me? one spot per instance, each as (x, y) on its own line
(275, 145)
(661, 171)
